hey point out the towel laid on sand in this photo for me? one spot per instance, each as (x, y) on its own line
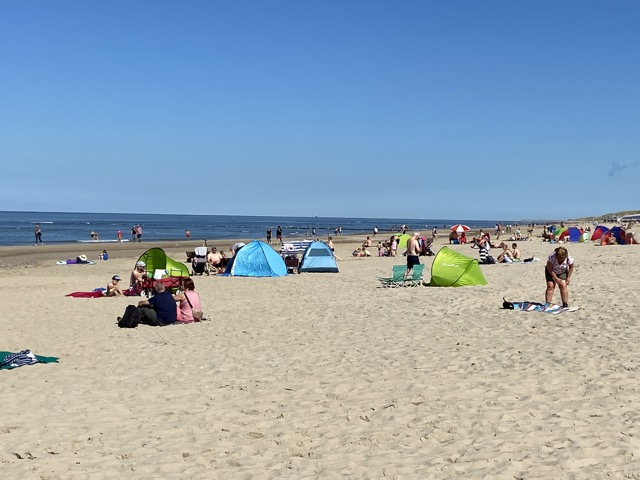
(101, 292)
(537, 307)
(94, 294)
(10, 360)
(73, 262)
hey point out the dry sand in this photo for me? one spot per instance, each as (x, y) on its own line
(324, 375)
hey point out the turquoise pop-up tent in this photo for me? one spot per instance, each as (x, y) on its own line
(256, 259)
(453, 269)
(318, 257)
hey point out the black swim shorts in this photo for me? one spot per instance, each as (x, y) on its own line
(549, 278)
(412, 260)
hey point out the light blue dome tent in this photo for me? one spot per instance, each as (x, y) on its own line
(256, 259)
(318, 257)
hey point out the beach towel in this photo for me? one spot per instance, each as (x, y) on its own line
(102, 292)
(93, 294)
(537, 307)
(72, 261)
(10, 360)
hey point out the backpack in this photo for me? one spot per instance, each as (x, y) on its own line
(130, 318)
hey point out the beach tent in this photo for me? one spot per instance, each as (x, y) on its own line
(571, 234)
(156, 259)
(403, 239)
(619, 233)
(559, 231)
(318, 257)
(598, 232)
(453, 269)
(256, 259)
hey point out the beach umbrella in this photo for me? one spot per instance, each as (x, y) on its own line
(459, 228)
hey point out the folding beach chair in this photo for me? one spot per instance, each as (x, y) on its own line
(415, 280)
(199, 263)
(396, 279)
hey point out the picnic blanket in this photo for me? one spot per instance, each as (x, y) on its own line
(537, 307)
(10, 360)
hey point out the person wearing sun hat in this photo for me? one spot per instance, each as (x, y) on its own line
(82, 259)
(113, 287)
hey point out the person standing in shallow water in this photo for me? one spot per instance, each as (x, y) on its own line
(38, 233)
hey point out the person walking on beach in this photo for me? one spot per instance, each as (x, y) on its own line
(375, 231)
(38, 233)
(119, 236)
(558, 271)
(187, 234)
(139, 233)
(332, 247)
(279, 234)
(268, 235)
(413, 252)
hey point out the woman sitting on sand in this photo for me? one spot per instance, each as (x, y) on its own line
(189, 301)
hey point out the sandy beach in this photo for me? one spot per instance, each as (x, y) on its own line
(324, 375)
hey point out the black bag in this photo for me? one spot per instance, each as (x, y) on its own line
(131, 317)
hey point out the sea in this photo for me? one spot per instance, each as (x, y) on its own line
(17, 228)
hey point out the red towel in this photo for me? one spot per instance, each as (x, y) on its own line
(94, 294)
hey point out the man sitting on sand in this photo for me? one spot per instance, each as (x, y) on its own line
(515, 252)
(159, 310)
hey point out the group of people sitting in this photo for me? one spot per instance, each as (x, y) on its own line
(456, 239)
(506, 255)
(163, 308)
(361, 252)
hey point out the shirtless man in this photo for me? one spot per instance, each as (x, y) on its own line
(413, 252)
(515, 252)
(214, 259)
(138, 275)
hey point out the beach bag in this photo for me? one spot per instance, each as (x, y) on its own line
(130, 318)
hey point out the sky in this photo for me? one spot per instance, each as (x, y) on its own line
(493, 109)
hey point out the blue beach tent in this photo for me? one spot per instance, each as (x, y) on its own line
(318, 258)
(256, 259)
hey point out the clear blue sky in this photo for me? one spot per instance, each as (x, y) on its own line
(412, 109)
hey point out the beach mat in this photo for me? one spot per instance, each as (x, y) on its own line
(537, 307)
(9, 360)
(67, 262)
